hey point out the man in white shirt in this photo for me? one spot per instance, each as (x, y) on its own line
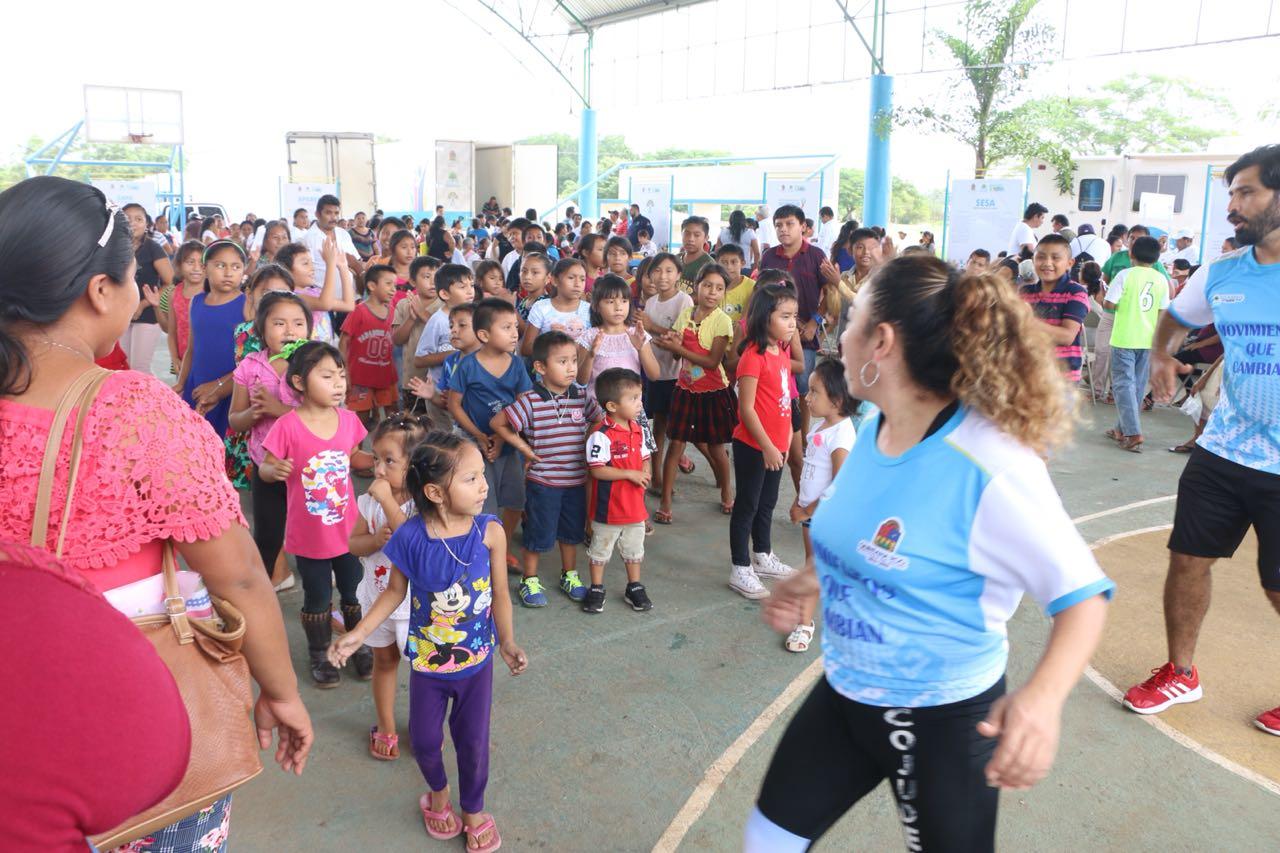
(764, 233)
(1024, 233)
(828, 230)
(328, 211)
(1087, 242)
(1183, 248)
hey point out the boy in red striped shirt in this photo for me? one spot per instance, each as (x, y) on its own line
(621, 470)
(548, 425)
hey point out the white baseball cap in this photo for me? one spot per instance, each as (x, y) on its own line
(1182, 234)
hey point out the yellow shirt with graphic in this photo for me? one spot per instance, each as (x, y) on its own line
(736, 298)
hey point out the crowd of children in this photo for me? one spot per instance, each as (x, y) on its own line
(531, 398)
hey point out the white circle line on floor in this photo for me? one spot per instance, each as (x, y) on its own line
(1178, 737)
(714, 777)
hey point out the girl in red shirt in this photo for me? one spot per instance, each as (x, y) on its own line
(762, 437)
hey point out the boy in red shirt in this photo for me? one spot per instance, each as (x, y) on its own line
(620, 469)
(366, 345)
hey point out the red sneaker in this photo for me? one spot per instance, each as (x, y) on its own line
(1164, 688)
(1269, 721)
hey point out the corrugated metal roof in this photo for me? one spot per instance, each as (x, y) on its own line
(594, 13)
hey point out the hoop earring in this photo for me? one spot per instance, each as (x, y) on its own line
(862, 374)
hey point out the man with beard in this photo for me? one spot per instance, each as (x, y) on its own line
(1232, 480)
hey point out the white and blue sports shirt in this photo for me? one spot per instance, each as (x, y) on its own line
(1242, 299)
(924, 557)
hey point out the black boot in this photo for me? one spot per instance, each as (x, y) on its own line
(362, 660)
(319, 632)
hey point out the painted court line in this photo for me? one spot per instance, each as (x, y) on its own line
(719, 770)
(722, 766)
(1119, 509)
(1154, 720)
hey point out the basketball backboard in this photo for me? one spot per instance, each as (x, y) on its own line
(123, 114)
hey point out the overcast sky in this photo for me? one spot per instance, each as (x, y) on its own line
(426, 71)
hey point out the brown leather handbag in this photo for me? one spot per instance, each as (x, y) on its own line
(203, 655)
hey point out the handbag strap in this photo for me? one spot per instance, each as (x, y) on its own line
(80, 395)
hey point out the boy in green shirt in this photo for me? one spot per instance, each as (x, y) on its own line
(1123, 259)
(1137, 295)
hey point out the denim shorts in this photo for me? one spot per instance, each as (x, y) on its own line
(802, 378)
(553, 514)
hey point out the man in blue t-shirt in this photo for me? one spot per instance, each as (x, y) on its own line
(1232, 480)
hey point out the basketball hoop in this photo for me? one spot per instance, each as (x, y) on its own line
(140, 137)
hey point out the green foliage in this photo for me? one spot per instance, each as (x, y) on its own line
(1139, 113)
(611, 151)
(992, 56)
(15, 170)
(908, 204)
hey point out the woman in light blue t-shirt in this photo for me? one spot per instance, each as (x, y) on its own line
(941, 517)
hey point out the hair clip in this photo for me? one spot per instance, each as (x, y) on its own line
(287, 351)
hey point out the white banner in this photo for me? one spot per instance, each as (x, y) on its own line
(1216, 226)
(454, 184)
(981, 214)
(654, 198)
(806, 195)
(131, 192)
(294, 196)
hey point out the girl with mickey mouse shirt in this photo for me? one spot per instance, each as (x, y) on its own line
(460, 608)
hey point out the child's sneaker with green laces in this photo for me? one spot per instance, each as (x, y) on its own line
(531, 593)
(572, 586)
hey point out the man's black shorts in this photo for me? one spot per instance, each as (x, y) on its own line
(1217, 502)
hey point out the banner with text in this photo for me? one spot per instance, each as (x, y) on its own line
(294, 196)
(806, 195)
(454, 179)
(981, 214)
(131, 192)
(654, 198)
(1216, 226)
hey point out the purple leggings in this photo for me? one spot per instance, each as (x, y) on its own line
(468, 723)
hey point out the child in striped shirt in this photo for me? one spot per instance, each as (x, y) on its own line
(548, 425)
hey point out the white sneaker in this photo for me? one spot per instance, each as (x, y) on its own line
(769, 566)
(287, 583)
(743, 581)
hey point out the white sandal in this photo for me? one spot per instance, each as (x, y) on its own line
(800, 638)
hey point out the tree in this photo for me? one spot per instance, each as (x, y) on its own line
(15, 170)
(908, 204)
(992, 55)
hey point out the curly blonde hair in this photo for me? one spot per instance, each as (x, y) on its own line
(974, 337)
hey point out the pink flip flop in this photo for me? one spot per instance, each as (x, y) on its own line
(485, 826)
(446, 814)
(390, 741)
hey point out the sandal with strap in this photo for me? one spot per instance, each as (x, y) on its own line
(389, 742)
(800, 638)
(474, 833)
(726, 507)
(662, 516)
(447, 814)
(686, 466)
(1131, 443)
(1114, 435)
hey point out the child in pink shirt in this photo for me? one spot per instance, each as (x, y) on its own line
(310, 449)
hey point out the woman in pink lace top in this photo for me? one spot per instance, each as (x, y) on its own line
(151, 469)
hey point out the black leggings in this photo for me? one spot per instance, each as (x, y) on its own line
(269, 502)
(755, 496)
(317, 581)
(836, 751)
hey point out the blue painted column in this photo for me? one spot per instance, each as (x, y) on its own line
(587, 170)
(875, 202)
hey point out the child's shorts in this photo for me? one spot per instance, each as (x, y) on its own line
(628, 537)
(361, 398)
(657, 397)
(553, 514)
(390, 631)
(505, 476)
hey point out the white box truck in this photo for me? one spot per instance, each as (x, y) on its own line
(343, 159)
